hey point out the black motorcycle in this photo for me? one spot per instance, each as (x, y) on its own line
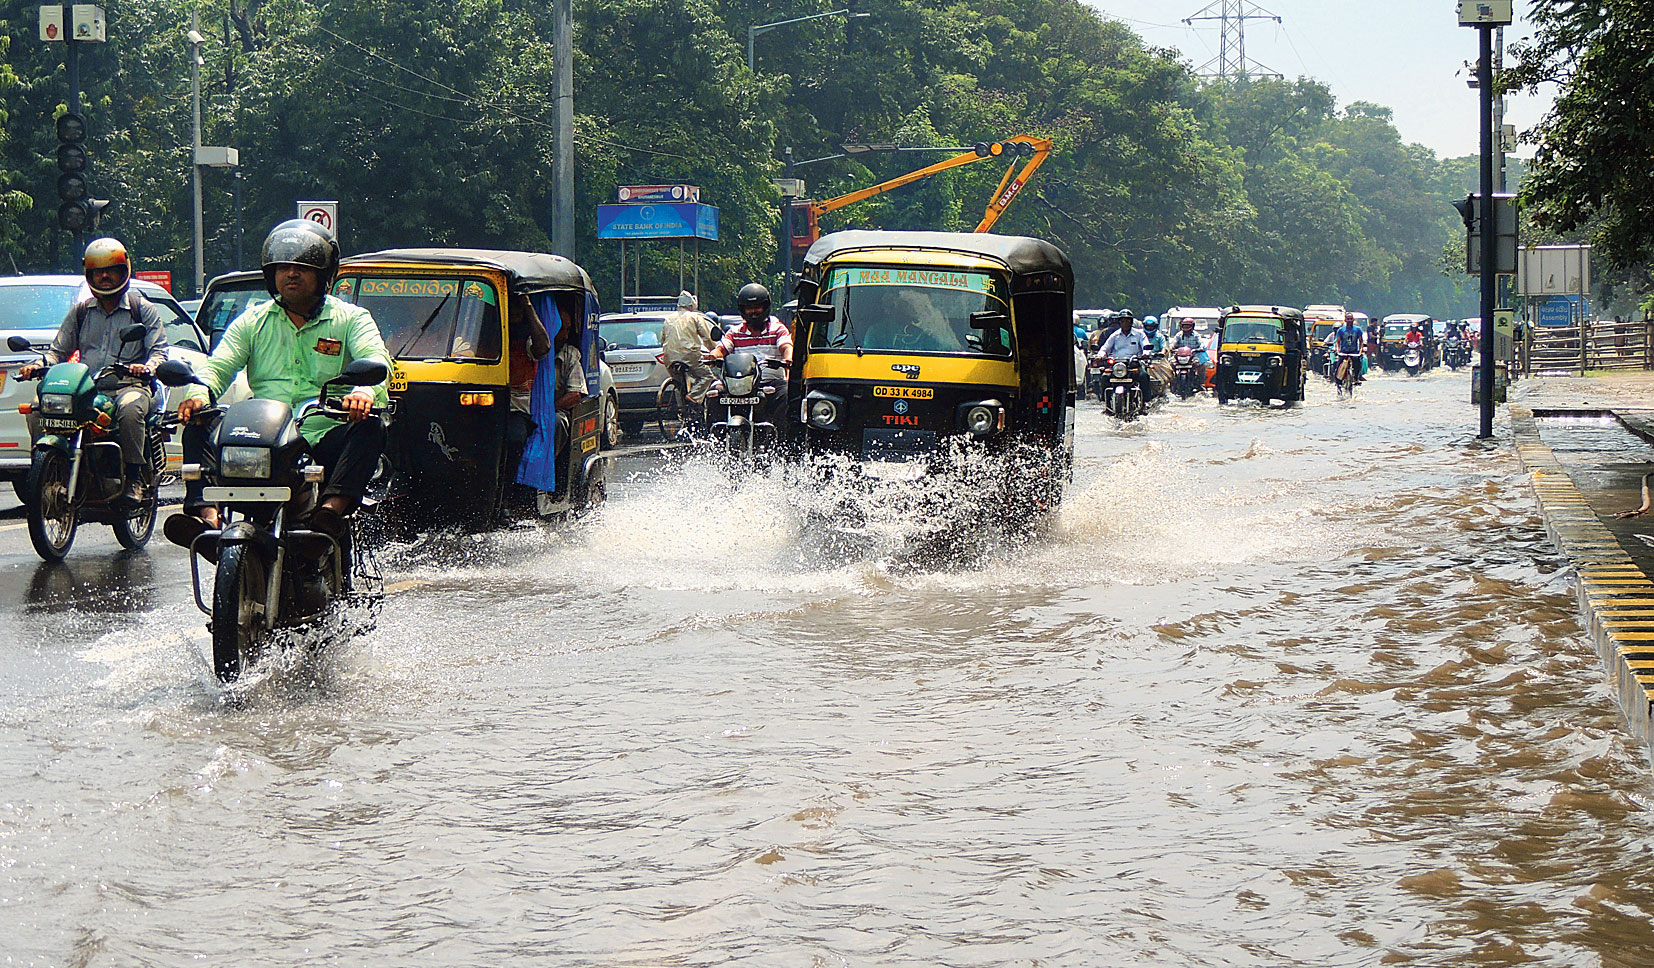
(1455, 353)
(272, 571)
(744, 403)
(1122, 394)
(76, 468)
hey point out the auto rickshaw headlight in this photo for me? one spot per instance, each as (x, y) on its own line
(983, 419)
(823, 413)
(244, 462)
(1277, 361)
(1119, 371)
(57, 402)
(1226, 360)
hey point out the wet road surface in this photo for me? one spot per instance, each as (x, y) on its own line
(1280, 687)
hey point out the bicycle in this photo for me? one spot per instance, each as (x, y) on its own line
(1348, 374)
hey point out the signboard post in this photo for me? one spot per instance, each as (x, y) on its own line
(325, 214)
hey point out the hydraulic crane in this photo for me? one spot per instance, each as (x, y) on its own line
(1026, 152)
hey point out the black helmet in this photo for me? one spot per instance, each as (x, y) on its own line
(752, 294)
(1123, 315)
(299, 241)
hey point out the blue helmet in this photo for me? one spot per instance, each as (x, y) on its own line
(1151, 322)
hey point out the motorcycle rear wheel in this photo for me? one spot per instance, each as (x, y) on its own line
(240, 614)
(134, 530)
(52, 514)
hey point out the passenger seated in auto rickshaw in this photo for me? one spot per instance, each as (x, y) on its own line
(571, 389)
(527, 344)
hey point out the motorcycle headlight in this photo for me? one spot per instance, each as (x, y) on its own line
(57, 403)
(1119, 371)
(740, 386)
(244, 462)
(983, 420)
(823, 413)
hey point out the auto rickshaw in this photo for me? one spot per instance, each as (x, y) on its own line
(1392, 339)
(1319, 356)
(1262, 354)
(449, 319)
(914, 349)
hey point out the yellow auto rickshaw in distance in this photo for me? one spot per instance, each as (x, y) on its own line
(458, 342)
(1262, 354)
(914, 348)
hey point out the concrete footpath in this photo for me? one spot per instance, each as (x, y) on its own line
(1582, 491)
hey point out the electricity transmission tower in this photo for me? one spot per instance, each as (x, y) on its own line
(1231, 63)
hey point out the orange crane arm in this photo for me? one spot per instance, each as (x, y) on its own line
(863, 194)
(1009, 186)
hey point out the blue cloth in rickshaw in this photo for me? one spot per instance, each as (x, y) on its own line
(539, 467)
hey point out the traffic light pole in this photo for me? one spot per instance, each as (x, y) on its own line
(72, 64)
(1489, 227)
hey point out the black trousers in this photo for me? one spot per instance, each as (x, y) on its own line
(349, 453)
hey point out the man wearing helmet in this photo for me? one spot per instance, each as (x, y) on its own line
(1186, 338)
(1128, 343)
(764, 337)
(92, 327)
(290, 346)
(1154, 344)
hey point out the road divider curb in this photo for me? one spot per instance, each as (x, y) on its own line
(1616, 596)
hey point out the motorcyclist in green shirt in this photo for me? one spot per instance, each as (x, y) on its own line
(289, 347)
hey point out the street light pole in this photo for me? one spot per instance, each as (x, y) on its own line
(195, 39)
(756, 29)
(1490, 261)
(562, 149)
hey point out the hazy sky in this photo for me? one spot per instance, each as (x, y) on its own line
(1402, 54)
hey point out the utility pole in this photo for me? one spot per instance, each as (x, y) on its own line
(562, 152)
(195, 39)
(1231, 63)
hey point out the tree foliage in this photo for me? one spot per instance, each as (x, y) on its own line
(431, 123)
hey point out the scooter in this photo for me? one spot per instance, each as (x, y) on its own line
(745, 402)
(272, 572)
(1413, 359)
(1122, 396)
(76, 469)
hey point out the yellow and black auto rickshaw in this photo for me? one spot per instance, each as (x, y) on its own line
(916, 348)
(1262, 354)
(458, 347)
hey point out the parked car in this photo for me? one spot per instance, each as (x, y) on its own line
(34, 307)
(632, 349)
(226, 297)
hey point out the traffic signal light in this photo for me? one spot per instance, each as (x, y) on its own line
(79, 210)
(1504, 233)
(995, 149)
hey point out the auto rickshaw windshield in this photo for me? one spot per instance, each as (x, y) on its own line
(1253, 331)
(907, 310)
(1396, 330)
(430, 318)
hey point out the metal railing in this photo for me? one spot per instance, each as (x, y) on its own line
(1594, 344)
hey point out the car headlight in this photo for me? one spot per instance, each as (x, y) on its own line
(1119, 371)
(244, 462)
(1226, 360)
(823, 413)
(57, 403)
(983, 420)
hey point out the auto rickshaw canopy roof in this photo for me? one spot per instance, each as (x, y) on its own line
(1286, 313)
(528, 271)
(1022, 254)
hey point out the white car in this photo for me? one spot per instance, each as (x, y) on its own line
(34, 307)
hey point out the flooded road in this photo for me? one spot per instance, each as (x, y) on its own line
(1282, 687)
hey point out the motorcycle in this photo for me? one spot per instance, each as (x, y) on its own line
(1413, 359)
(272, 572)
(76, 468)
(745, 402)
(1096, 379)
(1123, 396)
(1188, 374)
(1456, 353)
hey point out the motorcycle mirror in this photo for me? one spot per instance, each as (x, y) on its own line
(175, 373)
(19, 344)
(133, 333)
(363, 373)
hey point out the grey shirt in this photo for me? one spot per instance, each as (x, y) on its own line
(97, 334)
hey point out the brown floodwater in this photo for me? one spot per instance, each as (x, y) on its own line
(1278, 688)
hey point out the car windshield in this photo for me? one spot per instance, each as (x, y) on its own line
(222, 305)
(1253, 331)
(430, 318)
(630, 334)
(905, 310)
(35, 306)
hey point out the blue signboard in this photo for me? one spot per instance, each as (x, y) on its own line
(684, 220)
(1559, 310)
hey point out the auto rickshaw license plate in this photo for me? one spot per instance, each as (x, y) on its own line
(1249, 376)
(742, 401)
(906, 393)
(399, 380)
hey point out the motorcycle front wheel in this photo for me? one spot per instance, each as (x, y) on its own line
(239, 613)
(52, 514)
(134, 530)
